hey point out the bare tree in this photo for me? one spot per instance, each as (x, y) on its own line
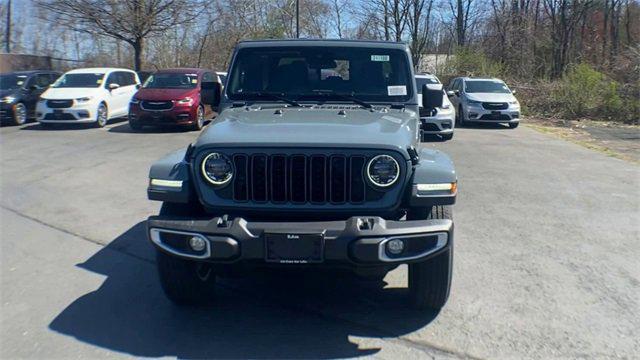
(131, 21)
(7, 32)
(419, 22)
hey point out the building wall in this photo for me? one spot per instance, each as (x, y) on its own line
(17, 62)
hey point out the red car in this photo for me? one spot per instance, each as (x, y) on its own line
(171, 97)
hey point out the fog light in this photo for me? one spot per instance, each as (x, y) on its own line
(197, 243)
(395, 246)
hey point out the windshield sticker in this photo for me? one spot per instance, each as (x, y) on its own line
(397, 90)
(19, 82)
(194, 81)
(99, 81)
(379, 57)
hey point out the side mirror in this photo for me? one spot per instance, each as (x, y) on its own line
(450, 93)
(113, 86)
(456, 92)
(513, 92)
(431, 97)
(210, 93)
(138, 86)
(33, 87)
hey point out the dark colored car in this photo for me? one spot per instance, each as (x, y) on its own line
(313, 162)
(171, 97)
(19, 93)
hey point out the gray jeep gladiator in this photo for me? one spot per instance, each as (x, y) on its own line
(314, 161)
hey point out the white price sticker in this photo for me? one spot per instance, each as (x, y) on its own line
(397, 90)
(379, 57)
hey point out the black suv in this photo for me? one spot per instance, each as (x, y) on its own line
(313, 162)
(19, 93)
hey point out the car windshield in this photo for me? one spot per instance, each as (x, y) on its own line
(12, 81)
(315, 73)
(487, 86)
(171, 81)
(425, 81)
(79, 80)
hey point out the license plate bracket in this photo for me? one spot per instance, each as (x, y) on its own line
(294, 247)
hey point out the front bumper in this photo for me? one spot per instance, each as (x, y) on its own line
(179, 115)
(480, 114)
(79, 113)
(357, 241)
(441, 124)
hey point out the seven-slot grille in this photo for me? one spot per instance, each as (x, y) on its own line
(59, 104)
(156, 105)
(299, 179)
(495, 106)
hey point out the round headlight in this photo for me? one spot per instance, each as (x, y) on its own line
(383, 170)
(217, 169)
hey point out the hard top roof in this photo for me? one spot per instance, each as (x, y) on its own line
(322, 42)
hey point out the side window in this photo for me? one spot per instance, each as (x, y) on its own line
(208, 77)
(42, 80)
(128, 78)
(112, 79)
(53, 78)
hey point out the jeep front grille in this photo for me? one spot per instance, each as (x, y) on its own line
(299, 179)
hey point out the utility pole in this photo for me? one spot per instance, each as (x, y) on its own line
(297, 19)
(7, 34)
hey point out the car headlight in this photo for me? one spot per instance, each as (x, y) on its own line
(8, 99)
(185, 101)
(83, 100)
(516, 103)
(217, 169)
(134, 101)
(474, 102)
(383, 170)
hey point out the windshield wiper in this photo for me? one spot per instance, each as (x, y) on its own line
(273, 96)
(348, 97)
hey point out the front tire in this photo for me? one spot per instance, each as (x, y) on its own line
(513, 125)
(430, 280)
(460, 117)
(185, 282)
(102, 116)
(199, 123)
(19, 114)
(135, 126)
(447, 137)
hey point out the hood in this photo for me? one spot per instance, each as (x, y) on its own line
(490, 97)
(312, 127)
(71, 93)
(7, 92)
(164, 94)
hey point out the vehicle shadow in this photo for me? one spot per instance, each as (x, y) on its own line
(486, 126)
(125, 128)
(67, 126)
(275, 314)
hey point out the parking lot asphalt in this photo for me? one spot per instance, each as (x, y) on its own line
(546, 261)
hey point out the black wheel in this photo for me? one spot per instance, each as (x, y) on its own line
(430, 280)
(102, 116)
(135, 126)
(19, 114)
(513, 125)
(446, 137)
(185, 282)
(199, 123)
(460, 117)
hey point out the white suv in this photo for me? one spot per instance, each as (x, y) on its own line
(441, 120)
(92, 95)
(484, 101)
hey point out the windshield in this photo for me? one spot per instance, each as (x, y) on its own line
(425, 81)
(488, 86)
(12, 81)
(314, 73)
(79, 80)
(171, 81)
